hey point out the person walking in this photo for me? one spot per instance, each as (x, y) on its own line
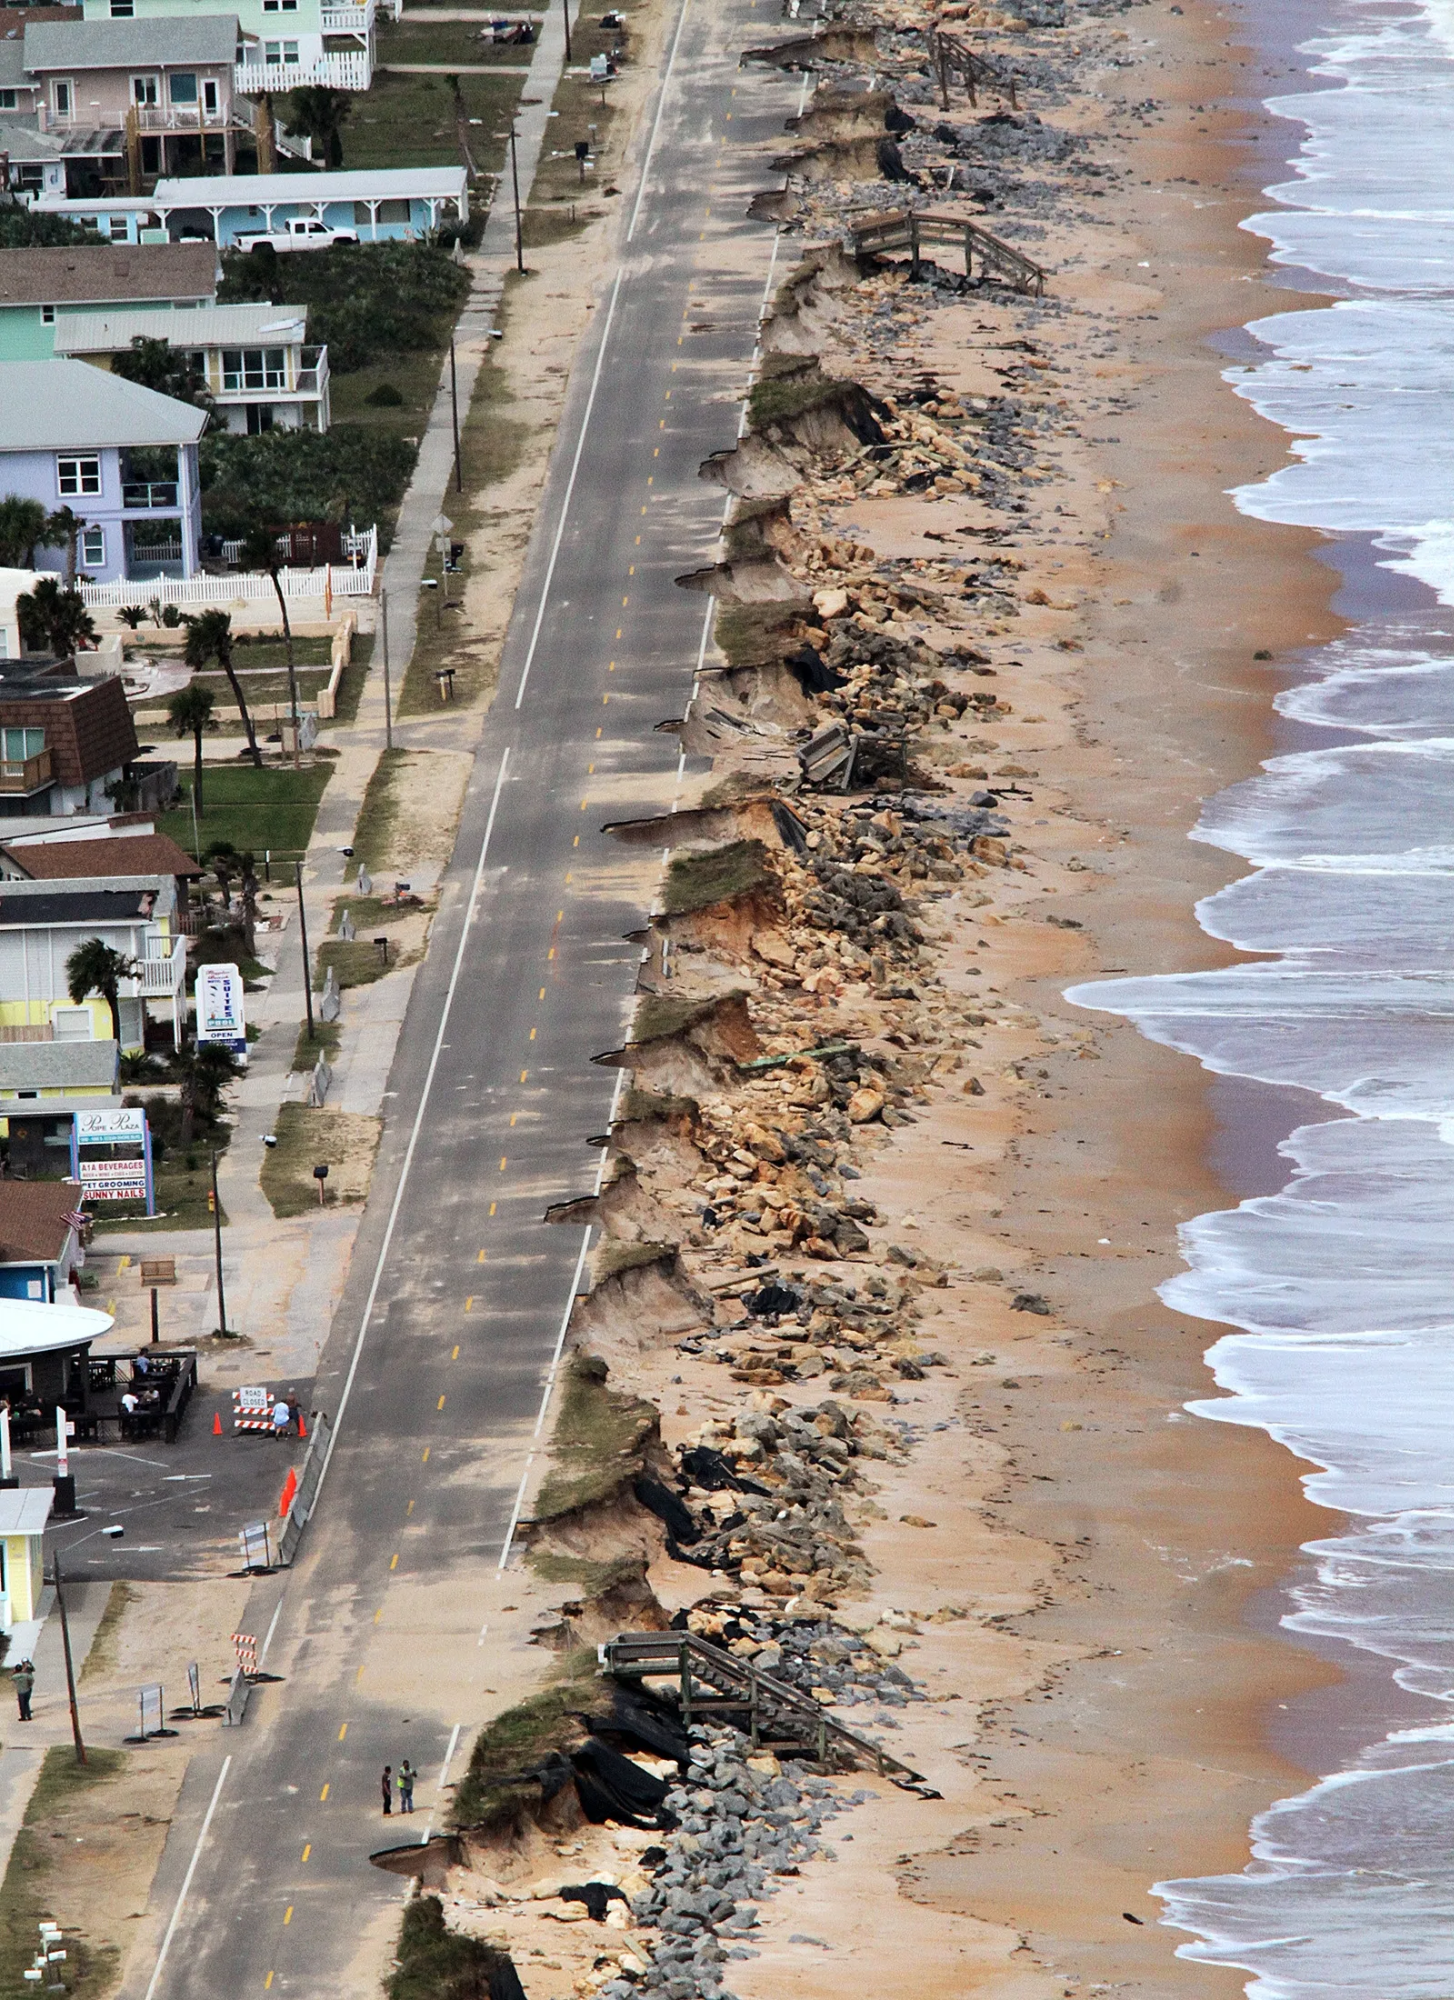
(23, 1680)
(387, 1783)
(407, 1775)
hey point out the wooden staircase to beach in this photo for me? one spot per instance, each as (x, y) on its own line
(706, 1681)
(892, 232)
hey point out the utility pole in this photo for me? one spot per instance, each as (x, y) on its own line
(388, 703)
(565, 14)
(70, 1668)
(515, 181)
(454, 403)
(303, 936)
(217, 1251)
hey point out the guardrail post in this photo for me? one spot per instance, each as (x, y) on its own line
(684, 1668)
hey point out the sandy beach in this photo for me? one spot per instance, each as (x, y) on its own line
(1084, 1579)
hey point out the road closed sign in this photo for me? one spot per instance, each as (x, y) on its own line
(220, 1015)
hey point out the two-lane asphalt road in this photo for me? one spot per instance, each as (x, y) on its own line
(443, 1347)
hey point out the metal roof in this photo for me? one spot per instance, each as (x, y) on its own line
(173, 42)
(24, 1510)
(70, 406)
(27, 1327)
(279, 190)
(58, 1066)
(198, 326)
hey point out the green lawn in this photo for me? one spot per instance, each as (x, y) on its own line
(271, 810)
(412, 118)
(442, 42)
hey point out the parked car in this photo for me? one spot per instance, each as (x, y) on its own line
(301, 233)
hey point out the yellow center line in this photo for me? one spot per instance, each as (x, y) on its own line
(307, 1849)
(394, 1558)
(469, 1302)
(288, 1914)
(408, 1510)
(323, 1795)
(454, 1351)
(502, 1169)
(342, 1731)
(267, 1982)
(492, 1204)
(523, 1074)
(513, 1116)
(577, 841)
(481, 1258)
(424, 1460)
(532, 1037)
(377, 1616)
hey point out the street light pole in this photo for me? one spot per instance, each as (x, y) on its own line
(388, 701)
(70, 1668)
(454, 412)
(217, 1251)
(303, 937)
(515, 179)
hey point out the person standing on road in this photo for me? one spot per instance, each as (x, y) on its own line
(388, 1789)
(23, 1680)
(407, 1775)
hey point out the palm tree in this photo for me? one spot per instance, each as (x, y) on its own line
(24, 527)
(209, 637)
(53, 618)
(319, 114)
(206, 1070)
(189, 712)
(260, 551)
(93, 967)
(65, 527)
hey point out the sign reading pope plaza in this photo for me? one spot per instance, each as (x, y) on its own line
(111, 1154)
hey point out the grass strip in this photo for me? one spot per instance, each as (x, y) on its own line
(599, 1437)
(696, 881)
(492, 1794)
(260, 812)
(343, 1141)
(25, 1895)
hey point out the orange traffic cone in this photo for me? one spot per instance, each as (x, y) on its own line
(302, 1425)
(290, 1488)
(217, 1423)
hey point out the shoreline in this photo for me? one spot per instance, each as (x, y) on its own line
(1074, 1514)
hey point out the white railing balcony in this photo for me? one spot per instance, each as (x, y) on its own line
(158, 977)
(347, 69)
(337, 20)
(182, 117)
(312, 380)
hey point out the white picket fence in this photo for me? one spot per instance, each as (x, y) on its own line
(341, 69)
(328, 581)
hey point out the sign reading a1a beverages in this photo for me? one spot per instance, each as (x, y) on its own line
(220, 1015)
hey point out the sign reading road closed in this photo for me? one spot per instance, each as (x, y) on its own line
(220, 1016)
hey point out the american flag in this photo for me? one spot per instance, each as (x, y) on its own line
(77, 1218)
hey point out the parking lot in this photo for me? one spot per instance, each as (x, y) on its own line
(180, 1507)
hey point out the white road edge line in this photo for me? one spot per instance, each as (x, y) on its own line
(187, 1878)
(443, 1775)
(469, 918)
(545, 1396)
(570, 486)
(671, 63)
(262, 1657)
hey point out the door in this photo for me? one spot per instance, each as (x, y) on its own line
(211, 96)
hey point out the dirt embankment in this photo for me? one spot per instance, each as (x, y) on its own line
(872, 1390)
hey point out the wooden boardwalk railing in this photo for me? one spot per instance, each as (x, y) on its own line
(899, 230)
(713, 1682)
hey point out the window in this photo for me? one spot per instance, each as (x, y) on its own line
(145, 90)
(60, 97)
(280, 52)
(79, 475)
(93, 548)
(118, 226)
(183, 87)
(47, 315)
(9, 100)
(394, 211)
(18, 744)
(254, 368)
(122, 10)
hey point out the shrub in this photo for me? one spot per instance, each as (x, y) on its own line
(366, 300)
(348, 473)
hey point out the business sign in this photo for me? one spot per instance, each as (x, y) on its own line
(118, 1125)
(95, 1136)
(220, 1016)
(113, 1180)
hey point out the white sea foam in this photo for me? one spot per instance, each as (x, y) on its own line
(1339, 1290)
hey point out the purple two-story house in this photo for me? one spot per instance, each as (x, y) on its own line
(122, 458)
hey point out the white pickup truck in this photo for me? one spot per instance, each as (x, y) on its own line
(301, 233)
